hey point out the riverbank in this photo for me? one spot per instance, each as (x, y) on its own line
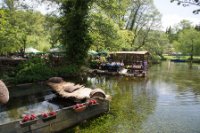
(196, 59)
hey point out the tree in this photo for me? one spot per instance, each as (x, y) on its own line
(189, 42)
(53, 27)
(171, 34)
(74, 30)
(8, 35)
(143, 18)
(30, 32)
(158, 43)
(73, 25)
(187, 3)
(184, 24)
(114, 9)
(104, 33)
(197, 27)
(107, 20)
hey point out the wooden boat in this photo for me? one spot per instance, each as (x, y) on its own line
(95, 103)
(65, 118)
(177, 60)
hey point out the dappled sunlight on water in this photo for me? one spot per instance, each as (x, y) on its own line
(168, 100)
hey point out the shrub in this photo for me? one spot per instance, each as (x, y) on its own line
(33, 70)
(66, 71)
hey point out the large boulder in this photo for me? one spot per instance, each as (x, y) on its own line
(4, 94)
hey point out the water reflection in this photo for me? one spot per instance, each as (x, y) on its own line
(133, 101)
(27, 100)
(168, 100)
(178, 101)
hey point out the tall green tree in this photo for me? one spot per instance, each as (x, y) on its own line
(9, 41)
(32, 31)
(74, 29)
(158, 43)
(107, 25)
(189, 42)
(114, 9)
(143, 18)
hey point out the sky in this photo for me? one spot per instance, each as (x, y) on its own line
(172, 14)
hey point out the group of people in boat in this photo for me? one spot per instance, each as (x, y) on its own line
(117, 66)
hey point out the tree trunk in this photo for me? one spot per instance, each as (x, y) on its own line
(191, 54)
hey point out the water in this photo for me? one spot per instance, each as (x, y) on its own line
(166, 101)
(34, 99)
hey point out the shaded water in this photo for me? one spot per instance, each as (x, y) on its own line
(27, 100)
(166, 101)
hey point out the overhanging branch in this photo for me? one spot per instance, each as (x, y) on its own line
(188, 3)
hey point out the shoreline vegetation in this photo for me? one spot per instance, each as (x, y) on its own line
(77, 27)
(196, 59)
(38, 70)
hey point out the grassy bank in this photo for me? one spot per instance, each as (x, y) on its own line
(196, 59)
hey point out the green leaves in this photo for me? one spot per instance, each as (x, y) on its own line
(20, 29)
(189, 38)
(8, 34)
(74, 29)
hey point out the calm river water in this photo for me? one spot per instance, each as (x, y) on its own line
(166, 101)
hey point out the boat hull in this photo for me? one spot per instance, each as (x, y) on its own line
(65, 118)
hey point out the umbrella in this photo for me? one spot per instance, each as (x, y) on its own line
(4, 94)
(31, 50)
(54, 50)
(57, 49)
(92, 52)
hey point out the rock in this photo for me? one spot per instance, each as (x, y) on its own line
(4, 94)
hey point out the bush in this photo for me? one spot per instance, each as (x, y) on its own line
(37, 69)
(95, 64)
(33, 70)
(155, 59)
(66, 71)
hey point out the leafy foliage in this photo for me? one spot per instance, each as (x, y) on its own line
(74, 29)
(143, 18)
(18, 32)
(33, 70)
(189, 41)
(8, 34)
(37, 69)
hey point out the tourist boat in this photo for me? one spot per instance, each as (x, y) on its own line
(135, 63)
